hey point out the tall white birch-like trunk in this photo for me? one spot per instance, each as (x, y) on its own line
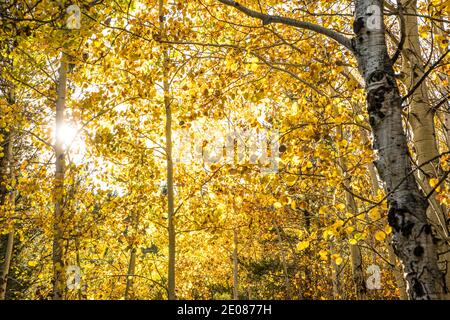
(412, 236)
(169, 160)
(421, 119)
(391, 255)
(58, 216)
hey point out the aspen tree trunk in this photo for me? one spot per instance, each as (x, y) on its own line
(355, 250)
(421, 120)
(58, 218)
(78, 260)
(391, 255)
(335, 273)
(10, 241)
(168, 134)
(235, 266)
(412, 236)
(130, 274)
(287, 283)
(421, 116)
(445, 116)
(132, 263)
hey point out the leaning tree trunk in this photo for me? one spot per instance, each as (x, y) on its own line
(412, 237)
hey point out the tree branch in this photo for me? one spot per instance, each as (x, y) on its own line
(402, 33)
(268, 19)
(425, 75)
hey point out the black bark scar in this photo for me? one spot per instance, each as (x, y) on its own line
(417, 288)
(358, 24)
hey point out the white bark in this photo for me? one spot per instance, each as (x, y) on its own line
(412, 238)
(391, 255)
(421, 119)
(169, 160)
(58, 219)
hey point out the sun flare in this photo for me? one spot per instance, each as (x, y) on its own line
(72, 141)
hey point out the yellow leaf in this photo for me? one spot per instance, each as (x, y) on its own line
(337, 258)
(291, 180)
(388, 229)
(323, 254)
(32, 263)
(380, 235)
(340, 206)
(302, 245)
(293, 205)
(434, 182)
(374, 214)
(327, 233)
(284, 199)
(277, 205)
(352, 241)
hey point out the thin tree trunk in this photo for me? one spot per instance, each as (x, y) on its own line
(235, 266)
(58, 219)
(132, 263)
(130, 274)
(412, 236)
(10, 240)
(355, 250)
(445, 115)
(168, 134)
(287, 283)
(78, 260)
(335, 273)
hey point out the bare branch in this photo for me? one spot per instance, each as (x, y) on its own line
(268, 19)
(402, 33)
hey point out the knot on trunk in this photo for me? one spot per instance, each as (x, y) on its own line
(398, 220)
(379, 84)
